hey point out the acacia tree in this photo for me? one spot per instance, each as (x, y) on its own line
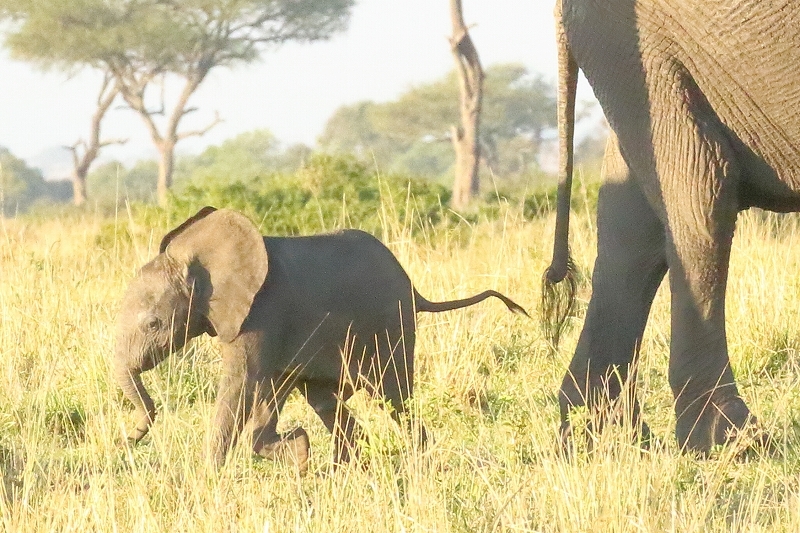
(146, 44)
(465, 135)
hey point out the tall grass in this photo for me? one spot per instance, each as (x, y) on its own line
(486, 392)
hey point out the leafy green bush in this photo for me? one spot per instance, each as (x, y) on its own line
(542, 201)
(245, 157)
(328, 192)
(23, 187)
(331, 192)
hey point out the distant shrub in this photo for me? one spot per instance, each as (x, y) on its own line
(539, 203)
(542, 201)
(112, 184)
(327, 192)
(330, 192)
(23, 187)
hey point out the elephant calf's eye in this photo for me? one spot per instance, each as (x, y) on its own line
(153, 323)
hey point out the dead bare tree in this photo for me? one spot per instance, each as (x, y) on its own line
(85, 152)
(465, 136)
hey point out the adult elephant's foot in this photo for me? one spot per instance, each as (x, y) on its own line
(608, 402)
(292, 446)
(707, 422)
(640, 433)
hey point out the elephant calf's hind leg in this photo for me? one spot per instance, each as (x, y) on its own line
(328, 402)
(268, 443)
(293, 446)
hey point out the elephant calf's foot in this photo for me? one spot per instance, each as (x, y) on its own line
(713, 422)
(292, 446)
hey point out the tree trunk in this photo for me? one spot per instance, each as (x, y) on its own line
(166, 163)
(466, 184)
(465, 137)
(81, 164)
(133, 89)
(78, 189)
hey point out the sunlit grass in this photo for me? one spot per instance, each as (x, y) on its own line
(486, 392)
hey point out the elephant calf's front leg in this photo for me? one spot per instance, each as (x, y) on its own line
(234, 404)
(232, 410)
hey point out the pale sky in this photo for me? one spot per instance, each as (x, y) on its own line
(390, 46)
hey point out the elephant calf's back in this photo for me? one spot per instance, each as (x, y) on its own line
(349, 272)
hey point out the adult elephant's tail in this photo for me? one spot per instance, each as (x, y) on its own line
(558, 301)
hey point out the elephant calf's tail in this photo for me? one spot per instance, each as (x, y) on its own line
(437, 307)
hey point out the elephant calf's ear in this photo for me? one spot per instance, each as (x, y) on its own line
(231, 251)
(168, 238)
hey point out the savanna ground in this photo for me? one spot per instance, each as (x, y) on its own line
(486, 391)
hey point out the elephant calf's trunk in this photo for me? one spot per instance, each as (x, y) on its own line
(133, 388)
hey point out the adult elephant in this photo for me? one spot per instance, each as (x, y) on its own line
(704, 100)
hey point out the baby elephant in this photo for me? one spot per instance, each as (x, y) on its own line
(326, 314)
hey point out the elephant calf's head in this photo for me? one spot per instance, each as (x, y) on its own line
(204, 279)
(155, 316)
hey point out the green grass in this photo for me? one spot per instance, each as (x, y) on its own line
(487, 386)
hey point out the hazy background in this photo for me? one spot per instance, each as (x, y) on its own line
(292, 91)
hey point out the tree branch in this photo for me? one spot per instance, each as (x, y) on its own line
(74, 149)
(203, 131)
(109, 142)
(132, 90)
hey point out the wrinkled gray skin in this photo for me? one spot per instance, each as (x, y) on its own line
(326, 314)
(704, 102)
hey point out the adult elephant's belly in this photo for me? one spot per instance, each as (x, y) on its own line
(745, 58)
(769, 177)
(729, 64)
(760, 115)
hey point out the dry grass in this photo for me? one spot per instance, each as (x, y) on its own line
(487, 386)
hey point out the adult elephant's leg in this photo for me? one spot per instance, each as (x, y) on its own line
(699, 183)
(628, 270)
(707, 403)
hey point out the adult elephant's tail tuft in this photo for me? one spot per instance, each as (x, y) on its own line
(558, 301)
